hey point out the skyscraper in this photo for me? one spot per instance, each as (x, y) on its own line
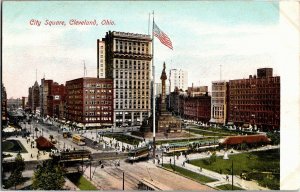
(3, 104)
(178, 78)
(128, 62)
(219, 102)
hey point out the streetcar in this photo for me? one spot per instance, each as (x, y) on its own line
(138, 153)
(78, 139)
(176, 147)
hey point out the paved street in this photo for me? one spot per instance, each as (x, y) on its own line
(110, 177)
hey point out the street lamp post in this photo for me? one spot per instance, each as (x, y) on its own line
(174, 158)
(231, 174)
(162, 159)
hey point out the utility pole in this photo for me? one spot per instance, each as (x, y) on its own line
(90, 168)
(232, 174)
(123, 181)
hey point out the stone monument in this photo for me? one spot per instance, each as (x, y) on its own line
(165, 121)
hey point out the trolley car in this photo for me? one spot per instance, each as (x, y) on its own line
(138, 153)
(78, 139)
(176, 147)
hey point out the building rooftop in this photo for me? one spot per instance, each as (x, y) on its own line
(130, 35)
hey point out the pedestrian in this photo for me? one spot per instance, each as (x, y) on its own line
(31, 155)
(170, 161)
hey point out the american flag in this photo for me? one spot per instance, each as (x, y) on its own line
(164, 39)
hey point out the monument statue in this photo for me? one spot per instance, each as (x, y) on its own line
(166, 122)
(163, 79)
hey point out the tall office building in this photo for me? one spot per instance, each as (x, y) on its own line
(219, 97)
(128, 62)
(178, 78)
(3, 104)
(45, 90)
(89, 101)
(100, 59)
(255, 101)
(35, 97)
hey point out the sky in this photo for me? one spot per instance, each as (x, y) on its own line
(239, 36)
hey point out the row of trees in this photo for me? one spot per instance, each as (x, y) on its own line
(47, 176)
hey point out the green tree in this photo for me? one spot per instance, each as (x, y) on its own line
(16, 176)
(213, 158)
(48, 177)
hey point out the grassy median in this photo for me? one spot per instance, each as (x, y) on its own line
(190, 174)
(81, 182)
(229, 187)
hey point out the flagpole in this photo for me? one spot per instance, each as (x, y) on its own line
(153, 99)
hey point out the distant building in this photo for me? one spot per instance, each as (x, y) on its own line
(24, 102)
(89, 102)
(35, 95)
(219, 101)
(197, 108)
(178, 78)
(3, 104)
(55, 99)
(175, 101)
(128, 62)
(255, 101)
(101, 59)
(30, 97)
(197, 91)
(14, 103)
(45, 91)
(191, 107)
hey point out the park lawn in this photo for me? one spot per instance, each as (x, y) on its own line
(221, 130)
(262, 166)
(189, 174)
(229, 187)
(81, 182)
(160, 142)
(124, 138)
(208, 133)
(13, 146)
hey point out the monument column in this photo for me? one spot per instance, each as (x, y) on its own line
(163, 79)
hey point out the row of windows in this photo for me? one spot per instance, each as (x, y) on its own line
(131, 47)
(128, 106)
(98, 118)
(98, 97)
(131, 75)
(251, 86)
(98, 102)
(131, 64)
(218, 94)
(98, 85)
(254, 97)
(94, 108)
(98, 91)
(91, 113)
